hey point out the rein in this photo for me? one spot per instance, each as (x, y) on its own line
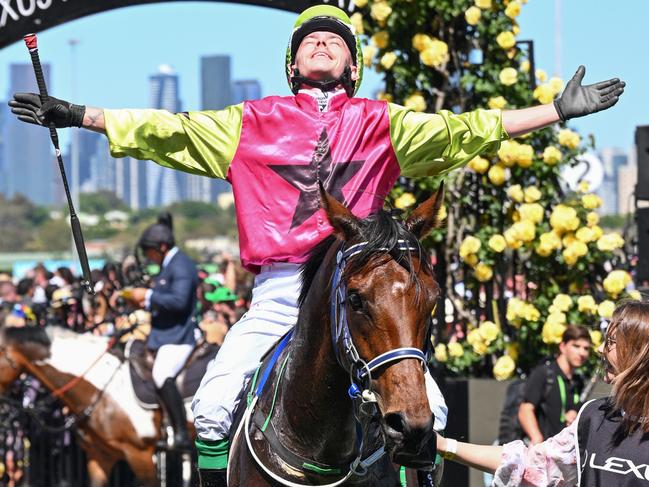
(360, 374)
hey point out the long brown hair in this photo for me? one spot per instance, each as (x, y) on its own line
(629, 328)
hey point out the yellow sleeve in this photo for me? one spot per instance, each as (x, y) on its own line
(201, 143)
(431, 144)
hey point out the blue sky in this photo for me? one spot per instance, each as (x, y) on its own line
(118, 50)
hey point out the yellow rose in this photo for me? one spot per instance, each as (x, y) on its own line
(497, 175)
(470, 245)
(525, 67)
(531, 211)
(415, 102)
(369, 52)
(525, 155)
(506, 40)
(357, 23)
(569, 139)
(551, 240)
(497, 243)
(455, 349)
(381, 11)
(489, 331)
(606, 308)
(556, 84)
(552, 332)
(512, 240)
(543, 93)
(479, 164)
(472, 15)
(586, 304)
(515, 192)
(610, 242)
(569, 256)
(524, 230)
(515, 309)
(504, 368)
(406, 200)
(635, 294)
(421, 41)
(436, 54)
(497, 102)
(544, 250)
(381, 39)
(440, 353)
(541, 75)
(616, 282)
(508, 152)
(483, 4)
(564, 218)
(384, 96)
(532, 194)
(483, 272)
(592, 219)
(473, 336)
(598, 231)
(441, 216)
(562, 302)
(388, 60)
(471, 260)
(551, 155)
(480, 348)
(513, 10)
(360, 3)
(585, 234)
(595, 338)
(579, 248)
(591, 201)
(530, 313)
(583, 186)
(508, 76)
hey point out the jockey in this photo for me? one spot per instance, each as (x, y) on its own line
(275, 151)
(171, 300)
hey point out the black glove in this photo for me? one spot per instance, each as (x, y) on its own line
(577, 100)
(29, 108)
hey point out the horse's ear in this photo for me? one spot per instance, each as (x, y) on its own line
(344, 223)
(424, 218)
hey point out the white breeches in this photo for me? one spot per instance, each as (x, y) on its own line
(168, 361)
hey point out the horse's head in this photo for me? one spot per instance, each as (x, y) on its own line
(389, 293)
(18, 346)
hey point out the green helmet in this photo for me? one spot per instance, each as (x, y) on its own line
(329, 19)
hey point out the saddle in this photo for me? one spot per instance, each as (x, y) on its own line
(140, 360)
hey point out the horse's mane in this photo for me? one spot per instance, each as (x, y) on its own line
(382, 233)
(26, 334)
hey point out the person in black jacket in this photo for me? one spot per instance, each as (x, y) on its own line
(171, 300)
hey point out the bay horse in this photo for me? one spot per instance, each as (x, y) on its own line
(95, 386)
(363, 326)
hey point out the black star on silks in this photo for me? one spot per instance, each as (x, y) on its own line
(334, 176)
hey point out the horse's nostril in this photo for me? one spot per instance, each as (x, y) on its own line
(396, 422)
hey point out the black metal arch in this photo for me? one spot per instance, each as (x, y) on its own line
(20, 17)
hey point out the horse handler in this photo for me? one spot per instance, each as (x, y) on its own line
(275, 151)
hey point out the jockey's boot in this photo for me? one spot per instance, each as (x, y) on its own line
(212, 478)
(173, 403)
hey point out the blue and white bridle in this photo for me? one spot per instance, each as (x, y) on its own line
(344, 348)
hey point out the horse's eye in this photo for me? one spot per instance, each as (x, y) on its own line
(355, 301)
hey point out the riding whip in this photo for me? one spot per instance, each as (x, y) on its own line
(32, 46)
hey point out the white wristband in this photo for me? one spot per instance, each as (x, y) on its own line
(451, 449)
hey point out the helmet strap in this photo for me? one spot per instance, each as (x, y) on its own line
(345, 79)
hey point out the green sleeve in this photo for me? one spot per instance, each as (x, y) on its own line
(201, 143)
(431, 144)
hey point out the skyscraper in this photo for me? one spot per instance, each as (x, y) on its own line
(216, 91)
(613, 159)
(164, 186)
(29, 165)
(245, 89)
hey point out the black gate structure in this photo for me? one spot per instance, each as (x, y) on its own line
(36, 447)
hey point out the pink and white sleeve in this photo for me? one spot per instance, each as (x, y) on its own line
(552, 463)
